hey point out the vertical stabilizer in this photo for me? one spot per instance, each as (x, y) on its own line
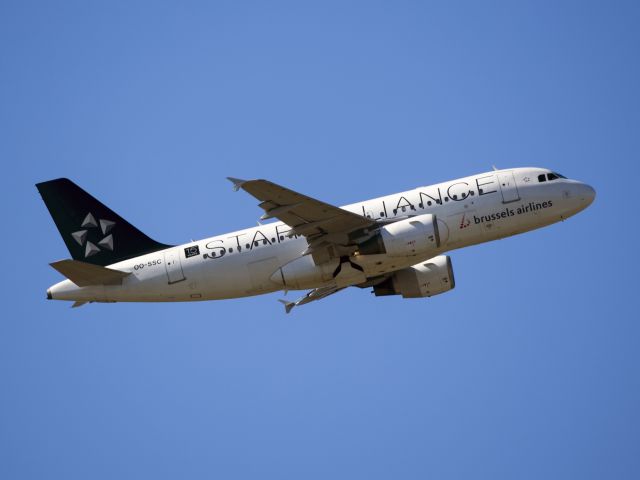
(92, 231)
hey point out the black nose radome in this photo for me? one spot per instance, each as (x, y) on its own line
(48, 294)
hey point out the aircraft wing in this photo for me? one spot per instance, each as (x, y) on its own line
(323, 292)
(319, 222)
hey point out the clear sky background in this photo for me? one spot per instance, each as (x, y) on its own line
(529, 369)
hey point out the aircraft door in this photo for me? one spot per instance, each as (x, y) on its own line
(173, 265)
(508, 187)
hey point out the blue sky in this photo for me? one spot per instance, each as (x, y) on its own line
(530, 368)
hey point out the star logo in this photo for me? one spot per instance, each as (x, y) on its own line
(526, 179)
(102, 237)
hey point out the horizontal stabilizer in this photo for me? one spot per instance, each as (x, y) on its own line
(85, 274)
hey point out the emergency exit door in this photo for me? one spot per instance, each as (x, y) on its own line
(508, 187)
(173, 265)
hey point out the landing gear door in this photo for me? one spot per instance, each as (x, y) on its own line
(173, 265)
(508, 187)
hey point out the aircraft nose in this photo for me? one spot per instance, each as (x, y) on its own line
(586, 194)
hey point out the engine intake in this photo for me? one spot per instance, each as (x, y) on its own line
(425, 279)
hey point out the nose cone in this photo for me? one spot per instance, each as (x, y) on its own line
(576, 196)
(586, 194)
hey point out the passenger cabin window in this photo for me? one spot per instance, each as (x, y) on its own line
(542, 178)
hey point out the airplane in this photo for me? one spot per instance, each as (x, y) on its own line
(394, 245)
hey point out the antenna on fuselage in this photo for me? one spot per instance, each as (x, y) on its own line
(494, 168)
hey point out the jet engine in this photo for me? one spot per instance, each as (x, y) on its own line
(425, 279)
(412, 236)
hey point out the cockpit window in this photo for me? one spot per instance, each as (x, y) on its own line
(554, 176)
(542, 178)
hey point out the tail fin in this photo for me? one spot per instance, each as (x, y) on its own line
(92, 231)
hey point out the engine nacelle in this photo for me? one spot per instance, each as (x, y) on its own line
(413, 236)
(303, 273)
(425, 279)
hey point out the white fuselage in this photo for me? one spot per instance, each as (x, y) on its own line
(470, 210)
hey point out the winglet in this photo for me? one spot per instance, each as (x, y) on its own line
(288, 306)
(237, 183)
